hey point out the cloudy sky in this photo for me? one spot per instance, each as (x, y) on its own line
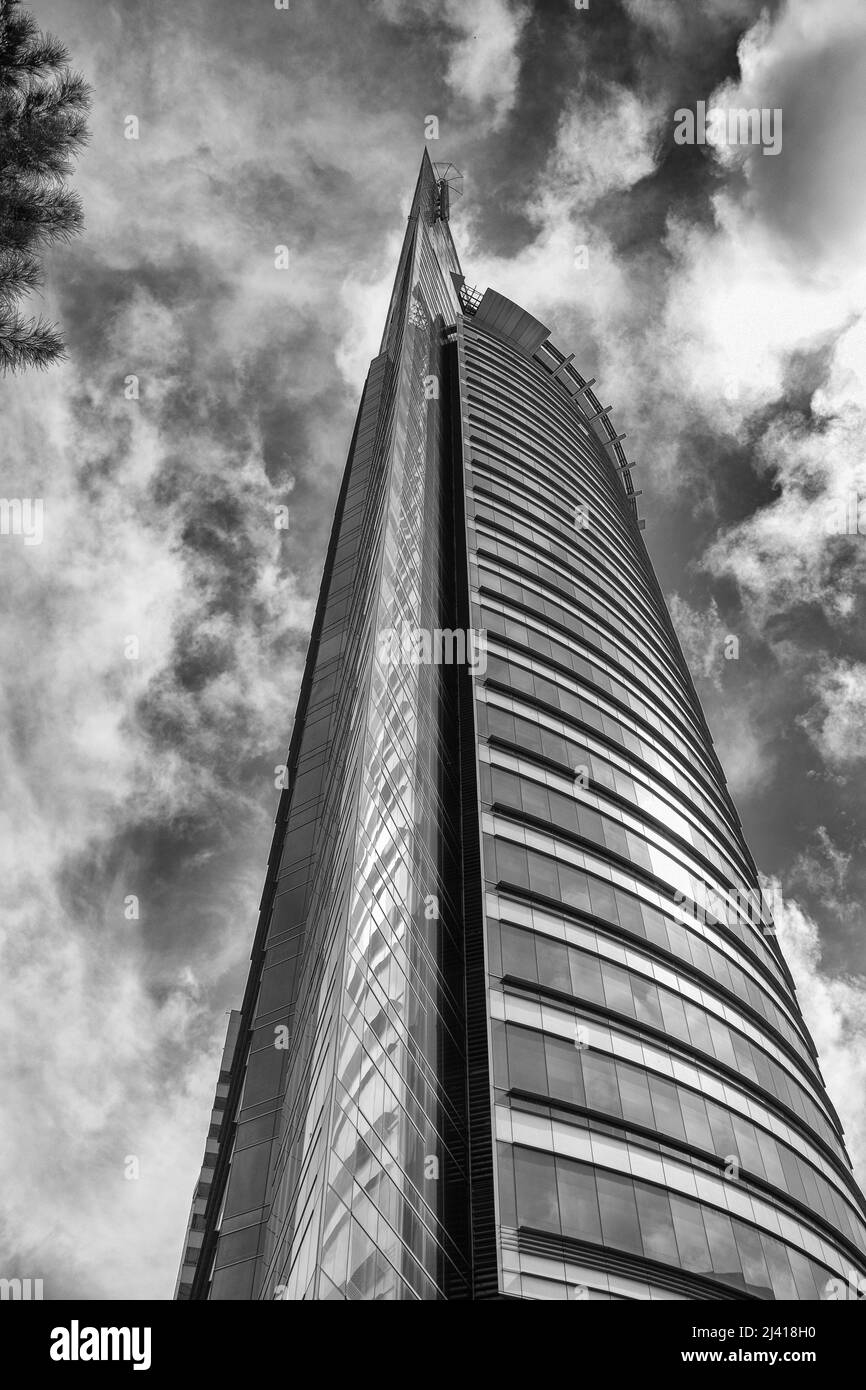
(722, 312)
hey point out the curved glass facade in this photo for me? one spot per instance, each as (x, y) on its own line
(661, 1125)
(517, 1024)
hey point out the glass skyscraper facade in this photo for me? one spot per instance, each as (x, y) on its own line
(517, 1023)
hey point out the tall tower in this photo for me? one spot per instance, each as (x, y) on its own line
(516, 1023)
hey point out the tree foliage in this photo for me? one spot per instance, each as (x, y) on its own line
(43, 127)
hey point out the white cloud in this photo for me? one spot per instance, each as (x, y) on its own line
(483, 66)
(836, 723)
(834, 1007)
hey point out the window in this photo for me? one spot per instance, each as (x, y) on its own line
(586, 980)
(617, 989)
(770, 1154)
(793, 1181)
(543, 877)
(506, 787)
(565, 1076)
(722, 1044)
(646, 1002)
(603, 900)
(724, 1256)
(752, 1257)
(673, 1014)
(563, 811)
(747, 1146)
(534, 798)
(656, 1223)
(724, 1139)
(590, 825)
(656, 928)
(535, 1183)
(804, 1278)
(779, 1268)
(526, 1069)
(574, 888)
(697, 1126)
(619, 1220)
(507, 1204)
(518, 953)
(630, 916)
(616, 839)
(691, 1236)
(698, 1029)
(634, 1091)
(578, 1202)
(553, 968)
(599, 1078)
(667, 1107)
(511, 864)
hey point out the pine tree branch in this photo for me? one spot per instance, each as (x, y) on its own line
(28, 343)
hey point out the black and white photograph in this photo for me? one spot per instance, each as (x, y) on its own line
(433, 695)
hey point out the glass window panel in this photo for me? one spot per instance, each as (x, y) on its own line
(721, 969)
(666, 1106)
(553, 969)
(770, 1155)
(656, 1223)
(778, 1264)
(698, 1029)
(691, 1236)
(574, 888)
(553, 746)
(501, 722)
(722, 1044)
(700, 954)
(724, 1255)
(534, 799)
(635, 1094)
(678, 938)
(674, 1015)
(507, 1205)
(535, 1182)
(656, 927)
(617, 989)
(511, 864)
(500, 1055)
(529, 734)
(765, 1071)
(619, 1220)
(599, 1078)
(506, 787)
(804, 1275)
(639, 851)
(724, 1139)
(810, 1183)
(564, 1071)
(543, 877)
(694, 1112)
(526, 1069)
(646, 1002)
(747, 1146)
(743, 1053)
(586, 982)
(630, 915)
(615, 838)
(793, 1181)
(518, 953)
(752, 1257)
(603, 900)
(563, 811)
(578, 1201)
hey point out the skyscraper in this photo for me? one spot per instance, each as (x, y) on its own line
(517, 1023)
